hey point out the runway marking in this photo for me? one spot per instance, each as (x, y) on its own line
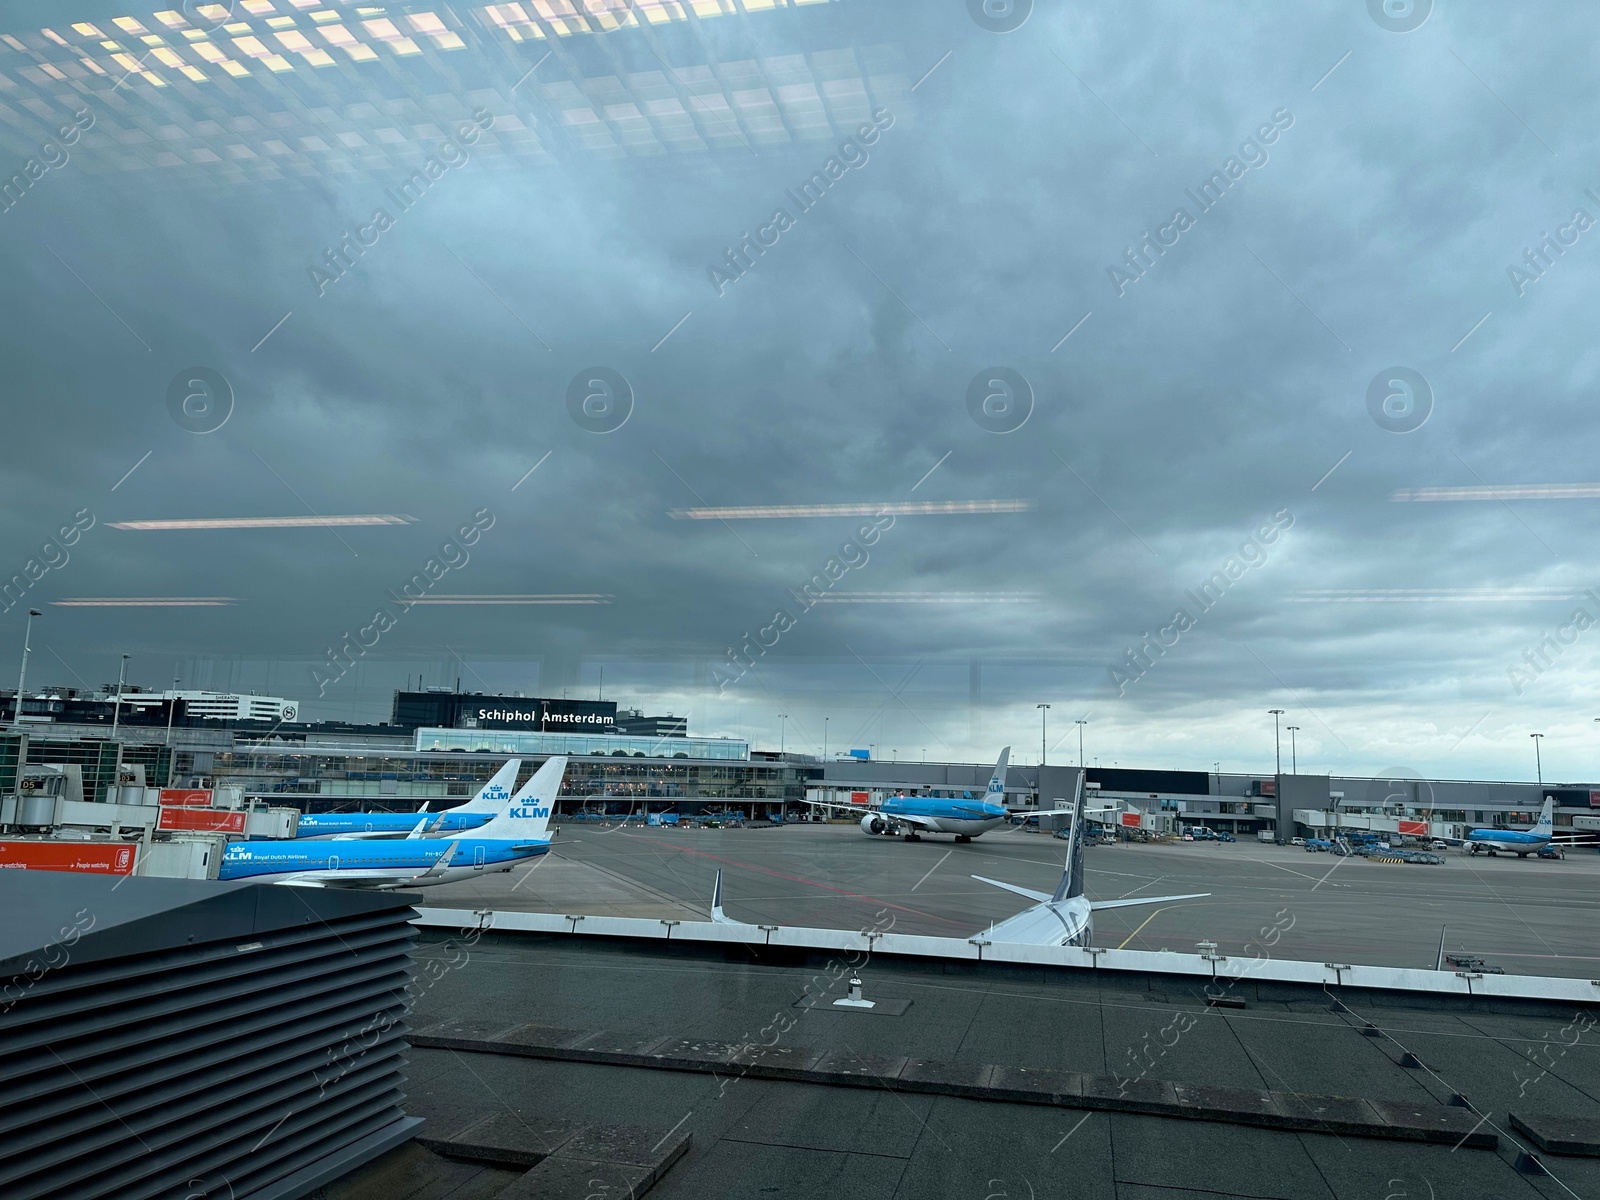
(931, 870)
(808, 882)
(1142, 924)
(1291, 870)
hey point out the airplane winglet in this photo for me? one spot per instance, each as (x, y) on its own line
(439, 866)
(717, 915)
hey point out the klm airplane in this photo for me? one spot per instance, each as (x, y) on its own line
(491, 798)
(517, 833)
(912, 816)
(1513, 841)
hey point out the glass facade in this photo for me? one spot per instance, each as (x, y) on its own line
(328, 779)
(513, 741)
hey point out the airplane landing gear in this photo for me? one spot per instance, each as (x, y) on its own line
(961, 837)
(911, 837)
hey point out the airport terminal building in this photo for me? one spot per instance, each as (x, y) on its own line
(441, 745)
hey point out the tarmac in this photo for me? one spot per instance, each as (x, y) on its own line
(1528, 916)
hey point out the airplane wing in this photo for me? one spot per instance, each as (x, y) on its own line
(437, 870)
(836, 806)
(1097, 905)
(1027, 893)
(377, 880)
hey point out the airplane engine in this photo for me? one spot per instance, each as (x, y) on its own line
(873, 824)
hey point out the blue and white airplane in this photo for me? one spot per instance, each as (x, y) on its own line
(519, 832)
(912, 816)
(1514, 841)
(491, 798)
(1064, 917)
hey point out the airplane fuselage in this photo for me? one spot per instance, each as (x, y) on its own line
(1068, 922)
(401, 862)
(1507, 840)
(320, 826)
(966, 818)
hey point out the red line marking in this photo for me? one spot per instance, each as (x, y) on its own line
(733, 862)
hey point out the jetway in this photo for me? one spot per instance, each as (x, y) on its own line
(1380, 823)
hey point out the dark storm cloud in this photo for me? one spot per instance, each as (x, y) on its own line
(975, 231)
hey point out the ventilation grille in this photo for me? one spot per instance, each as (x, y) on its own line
(226, 1070)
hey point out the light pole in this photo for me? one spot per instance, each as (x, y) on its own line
(22, 675)
(1277, 748)
(1537, 764)
(824, 739)
(1080, 723)
(1043, 708)
(116, 708)
(783, 729)
(22, 741)
(172, 703)
(1294, 759)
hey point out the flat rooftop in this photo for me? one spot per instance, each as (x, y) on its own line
(1528, 916)
(765, 1138)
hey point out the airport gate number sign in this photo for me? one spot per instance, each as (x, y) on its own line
(92, 858)
(194, 820)
(194, 797)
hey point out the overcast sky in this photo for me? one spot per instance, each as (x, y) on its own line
(1219, 389)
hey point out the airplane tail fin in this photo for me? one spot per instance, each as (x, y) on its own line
(492, 796)
(1546, 824)
(996, 793)
(1072, 877)
(526, 816)
(717, 915)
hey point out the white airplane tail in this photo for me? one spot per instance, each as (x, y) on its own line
(492, 796)
(996, 792)
(1546, 825)
(526, 816)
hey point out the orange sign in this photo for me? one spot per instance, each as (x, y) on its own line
(858, 797)
(202, 820)
(1415, 828)
(93, 858)
(187, 796)
(1132, 819)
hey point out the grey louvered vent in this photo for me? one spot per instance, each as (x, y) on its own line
(176, 1038)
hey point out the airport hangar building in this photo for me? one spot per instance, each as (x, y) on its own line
(441, 745)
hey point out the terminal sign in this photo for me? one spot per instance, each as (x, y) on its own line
(191, 797)
(195, 820)
(89, 858)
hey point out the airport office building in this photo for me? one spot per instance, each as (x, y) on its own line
(441, 745)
